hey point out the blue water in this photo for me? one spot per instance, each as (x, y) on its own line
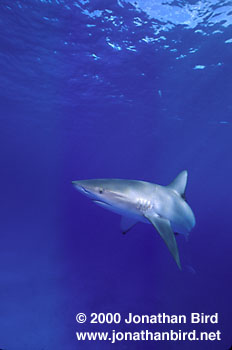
(92, 89)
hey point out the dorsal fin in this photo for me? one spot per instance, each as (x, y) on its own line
(179, 183)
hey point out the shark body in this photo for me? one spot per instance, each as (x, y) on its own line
(164, 207)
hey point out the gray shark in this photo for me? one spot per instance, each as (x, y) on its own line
(164, 207)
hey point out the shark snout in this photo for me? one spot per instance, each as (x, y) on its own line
(82, 187)
(77, 184)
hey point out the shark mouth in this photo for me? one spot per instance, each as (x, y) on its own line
(102, 203)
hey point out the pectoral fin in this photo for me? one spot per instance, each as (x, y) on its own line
(164, 228)
(127, 224)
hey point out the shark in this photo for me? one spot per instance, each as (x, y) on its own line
(165, 207)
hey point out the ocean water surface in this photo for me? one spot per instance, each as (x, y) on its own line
(112, 89)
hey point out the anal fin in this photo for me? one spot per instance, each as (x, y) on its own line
(163, 226)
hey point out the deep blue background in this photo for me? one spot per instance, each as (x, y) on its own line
(93, 89)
